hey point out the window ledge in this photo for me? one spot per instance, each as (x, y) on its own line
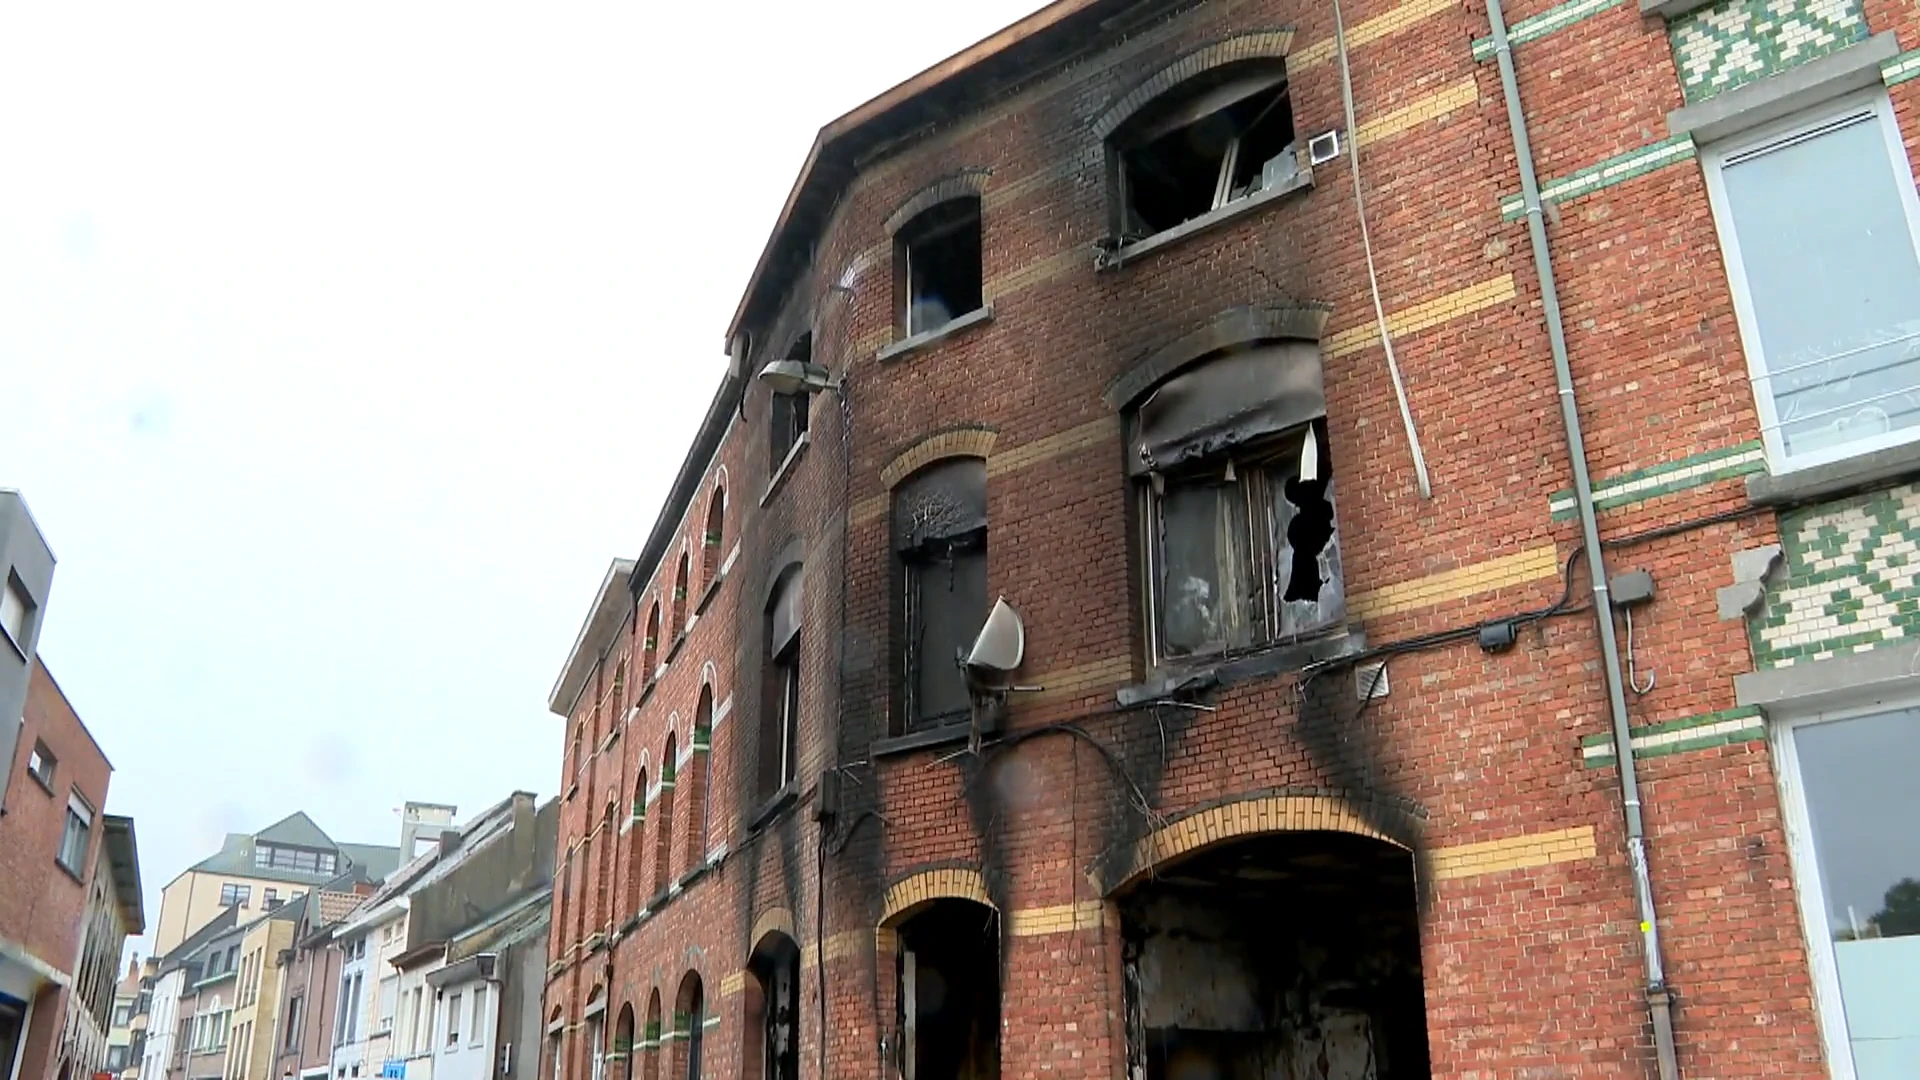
(707, 594)
(944, 735)
(673, 650)
(45, 785)
(787, 466)
(1170, 681)
(1855, 67)
(778, 803)
(1835, 478)
(1246, 205)
(981, 314)
(7, 636)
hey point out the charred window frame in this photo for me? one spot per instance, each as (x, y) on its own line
(787, 424)
(780, 710)
(940, 544)
(1235, 481)
(937, 254)
(1220, 137)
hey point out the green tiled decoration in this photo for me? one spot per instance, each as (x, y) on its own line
(1733, 42)
(1849, 579)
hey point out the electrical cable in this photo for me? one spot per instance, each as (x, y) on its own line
(1366, 246)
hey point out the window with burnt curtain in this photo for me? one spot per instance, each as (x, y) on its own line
(1236, 482)
(940, 538)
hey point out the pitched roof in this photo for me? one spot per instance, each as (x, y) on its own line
(219, 924)
(298, 830)
(379, 861)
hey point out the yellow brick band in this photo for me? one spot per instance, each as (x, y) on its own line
(962, 442)
(834, 948)
(1512, 853)
(870, 509)
(1058, 919)
(949, 884)
(1458, 96)
(1423, 315)
(1360, 33)
(1076, 681)
(733, 984)
(1038, 271)
(773, 920)
(1249, 817)
(1533, 564)
(1092, 433)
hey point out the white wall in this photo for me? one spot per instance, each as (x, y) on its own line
(163, 1021)
(472, 1058)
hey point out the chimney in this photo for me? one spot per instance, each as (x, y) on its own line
(421, 820)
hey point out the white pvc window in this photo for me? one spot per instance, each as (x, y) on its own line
(1851, 804)
(1817, 222)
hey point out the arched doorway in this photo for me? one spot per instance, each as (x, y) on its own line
(947, 1000)
(771, 1050)
(623, 1048)
(1285, 954)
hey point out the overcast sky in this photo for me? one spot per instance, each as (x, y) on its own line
(342, 346)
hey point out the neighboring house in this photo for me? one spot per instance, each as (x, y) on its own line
(26, 578)
(51, 839)
(310, 978)
(207, 1002)
(257, 995)
(113, 914)
(125, 1041)
(258, 872)
(491, 976)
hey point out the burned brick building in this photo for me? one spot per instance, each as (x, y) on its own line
(1253, 538)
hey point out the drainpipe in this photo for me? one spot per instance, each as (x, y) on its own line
(1659, 999)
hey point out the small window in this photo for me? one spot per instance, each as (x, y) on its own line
(477, 1027)
(16, 610)
(790, 411)
(75, 836)
(940, 536)
(1219, 137)
(271, 899)
(1817, 225)
(1241, 545)
(939, 265)
(235, 895)
(780, 714)
(40, 763)
(453, 1020)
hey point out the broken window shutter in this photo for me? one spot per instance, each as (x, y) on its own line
(942, 503)
(1225, 402)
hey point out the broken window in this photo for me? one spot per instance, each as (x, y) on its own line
(1283, 955)
(1221, 136)
(1242, 546)
(789, 416)
(776, 973)
(940, 533)
(948, 1003)
(780, 708)
(939, 260)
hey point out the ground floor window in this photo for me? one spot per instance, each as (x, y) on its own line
(1852, 805)
(13, 1022)
(1283, 955)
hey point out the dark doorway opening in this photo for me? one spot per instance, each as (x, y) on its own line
(1289, 955)
(949, 993)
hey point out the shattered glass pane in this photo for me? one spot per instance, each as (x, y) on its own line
(1306, 552)
(1204, 588)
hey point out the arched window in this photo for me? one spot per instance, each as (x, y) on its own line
(576, 750)
(619, 689)
(623, 1044)
(712, 537)
(651, 647)
(695, 782)
(690, 1022)
(663, 815)
(637, 844)
(651, 1035)
(1223, 135)
(560, 924)
(583, 891)
(556, 1060)
(940, 541)
(779, 747)
(937, 266)
(603, 881)
(680, 587)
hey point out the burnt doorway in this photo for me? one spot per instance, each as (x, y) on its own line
(774, 1035)
(948, 999)
(1287, 956)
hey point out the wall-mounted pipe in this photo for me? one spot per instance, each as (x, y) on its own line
(1658, 997)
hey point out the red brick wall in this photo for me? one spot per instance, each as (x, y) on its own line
(1530, 970)
(42, 905)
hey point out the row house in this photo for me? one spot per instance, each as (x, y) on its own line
(1452, 471)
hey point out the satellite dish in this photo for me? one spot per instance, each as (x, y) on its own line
(999, 647)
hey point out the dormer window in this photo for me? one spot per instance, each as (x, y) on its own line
(1220, 137)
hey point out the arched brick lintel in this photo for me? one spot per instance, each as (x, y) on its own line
(916, 891)
(966, 184)
(777, 920)
(957, 442)
(1304, 320)
(1254, 816)
(1273, 43)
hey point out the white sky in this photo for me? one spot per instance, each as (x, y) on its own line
(341, 346)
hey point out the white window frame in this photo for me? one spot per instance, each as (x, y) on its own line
(1829, 1009)
(1713, 160)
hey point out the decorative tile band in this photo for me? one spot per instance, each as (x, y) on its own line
(1614, 170)
(1512, 853)
(1678, 736)
(1850, 581)
(1538, 26)
(1733, 42)
(1901, 68)
(1665, 479)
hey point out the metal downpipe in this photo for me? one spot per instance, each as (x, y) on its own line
(1658, 997)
